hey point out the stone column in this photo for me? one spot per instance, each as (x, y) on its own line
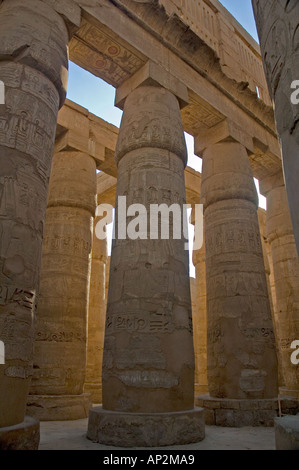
(200, 323)
(148, 368)
(277, 25)
(61, 331)
(33, 67)
(242, 362)
(96, 319)
(262, 215)
(286, 274)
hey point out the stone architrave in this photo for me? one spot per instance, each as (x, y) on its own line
(56, 391)
(96, 319)
(242, 360)
(286, 275)
(148, 364)
(33, 67)
(278, 28)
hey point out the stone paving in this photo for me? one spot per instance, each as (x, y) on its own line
(70, 435)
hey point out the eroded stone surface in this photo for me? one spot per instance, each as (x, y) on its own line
(33, 67)
(241, 413)
(286, 275)
(242, 359)
(287, 433)
(23, 436)
(59, 408)
(277, 24)
(61, 327)
(96, 319)
(149, 306)
(146, 430)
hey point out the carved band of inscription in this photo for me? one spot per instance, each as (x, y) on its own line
(60, 337)
(147, 379)
(151, 119)
(134, 322)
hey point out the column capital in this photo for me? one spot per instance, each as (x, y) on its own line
(225, 131)
(151, 74)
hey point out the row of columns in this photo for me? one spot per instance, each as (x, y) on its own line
(148, 358)
(58, 402)
(61, 327)
(34, 62)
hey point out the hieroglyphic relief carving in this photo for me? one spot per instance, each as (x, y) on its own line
(240, 330)
(105, 55)
(33, 67)
(147, 128)
(65, 275)
(149, 292)
(278, 28)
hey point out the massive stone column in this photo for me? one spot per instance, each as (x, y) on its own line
(33, 67)
(278, 28)
(61, 329)
(286, 274)
(242, 362)
(200, 322)
(148, 368)
(96, 319)
(262, 217)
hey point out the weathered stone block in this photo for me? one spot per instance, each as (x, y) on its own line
(287, 433)
(23, 436)
(146, 430)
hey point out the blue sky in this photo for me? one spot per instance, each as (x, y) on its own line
(242, 11)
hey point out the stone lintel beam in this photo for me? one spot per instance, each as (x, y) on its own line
(152, 74)
(225, 131)
(78, 129)
(70, 140)
(270, 182)
(70, 11)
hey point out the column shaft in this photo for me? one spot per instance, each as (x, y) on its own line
(242, 360)
(33, 67)
(148, 365)
(96, 319)
(286, 275)
(241, 349)
(277, 24)
(60, 341)
(200, 323)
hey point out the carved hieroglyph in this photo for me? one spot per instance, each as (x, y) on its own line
(278, 28)
(148, 355)
(96, 319)
(286, 274)
(200, 322)
(61, 327)
(33, 67)
(148, 361)
(242, 359)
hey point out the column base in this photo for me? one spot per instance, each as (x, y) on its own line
(59, 408)
(145, 429)
(240, 413)
(23, 436)
(95, 392)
